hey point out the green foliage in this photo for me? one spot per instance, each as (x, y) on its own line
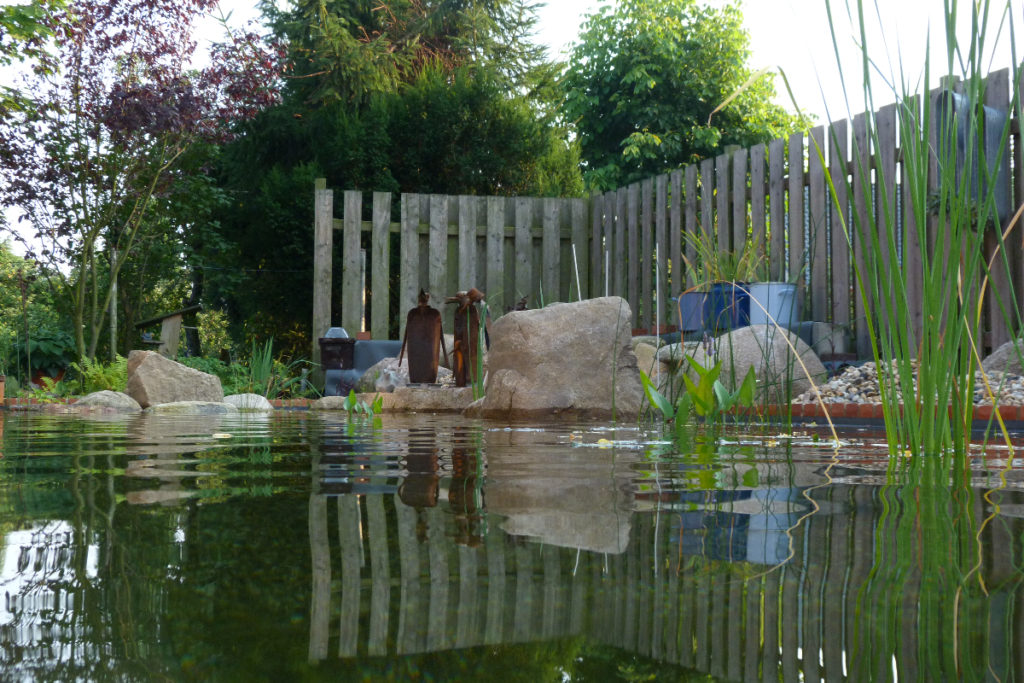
(94, 375)
(349, 52)
(641, 84)
(213, 331)
(711, 264)
(49, 390)
(36, 311)
(357, 407)
(269, 377)
(708, 397)
(23, 36)
(50, 350)
(234, 378)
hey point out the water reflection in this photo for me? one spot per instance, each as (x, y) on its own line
(306, 547)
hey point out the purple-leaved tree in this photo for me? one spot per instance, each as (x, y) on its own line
(116, 103)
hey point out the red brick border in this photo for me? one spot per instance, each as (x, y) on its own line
(864, 411)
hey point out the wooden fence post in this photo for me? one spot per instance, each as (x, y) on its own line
(323, 225)
(380, 265)
(351, 270)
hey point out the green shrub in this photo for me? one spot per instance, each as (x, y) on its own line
(94, 375)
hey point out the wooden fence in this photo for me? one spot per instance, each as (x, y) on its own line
(632, 242)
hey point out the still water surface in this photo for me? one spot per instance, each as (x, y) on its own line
(296, 546)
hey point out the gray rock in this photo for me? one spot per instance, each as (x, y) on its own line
(573, 359)
(153, 379)
(419, 399)
(386, 375)
(673, 354)
(429, 399)
(650, 340)
(192, 408)
(1006, 358)
(108, 401)
(249, 402)
(780, 376)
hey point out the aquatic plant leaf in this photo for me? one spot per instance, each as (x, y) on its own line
(700, 396)
(656, 398)
(745, 394)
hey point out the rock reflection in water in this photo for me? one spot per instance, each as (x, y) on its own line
(568, 497)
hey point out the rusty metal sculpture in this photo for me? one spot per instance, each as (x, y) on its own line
(423, 337)
(467, 336)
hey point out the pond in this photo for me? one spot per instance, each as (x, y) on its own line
(297, 546)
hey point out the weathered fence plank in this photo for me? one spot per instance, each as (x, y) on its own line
(691, 226)
(467, 242)
(524, 250)
(885, 181)
(380, 265)
(661, 248)
(796, 215)
(675, 231)
(722, 217)
(820, 308)
(619, 254)
(351, 259)
(1000, 298)
(498, 295)
(550, 247)
(632, 288)
(860, 229)
(758, 190)
(409, 258)
(580, 249)
(912, 261)
(777, 212)
(840, 215)
(437, 249)
(323, 226)
(597, 245)
(739, 199)
(647, 252)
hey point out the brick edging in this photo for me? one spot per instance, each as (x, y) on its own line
(864, 411)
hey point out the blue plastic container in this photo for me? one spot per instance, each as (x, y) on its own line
(692, 308)
(727, 307)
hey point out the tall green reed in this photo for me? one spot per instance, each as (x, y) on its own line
(944, 229)
(936, 218)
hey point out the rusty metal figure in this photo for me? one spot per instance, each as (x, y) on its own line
(423, 337)
(467, 336)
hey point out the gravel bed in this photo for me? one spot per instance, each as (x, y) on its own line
(860, 385)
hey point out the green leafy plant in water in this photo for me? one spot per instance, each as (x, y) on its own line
(357, 408)
(707, 397)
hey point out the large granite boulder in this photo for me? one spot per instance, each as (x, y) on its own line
(108, 401)
(568, 359)
(1006, 358)
(153, 379)
(780, 376)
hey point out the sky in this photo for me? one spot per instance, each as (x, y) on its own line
(792, 37)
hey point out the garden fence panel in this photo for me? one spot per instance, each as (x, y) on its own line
(812, 204)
